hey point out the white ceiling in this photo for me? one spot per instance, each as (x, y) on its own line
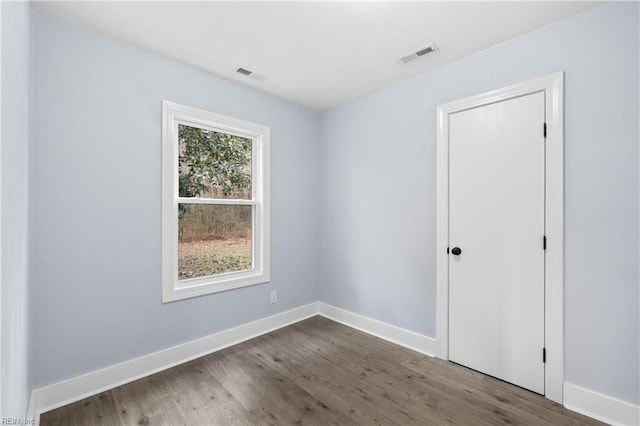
(318, 54)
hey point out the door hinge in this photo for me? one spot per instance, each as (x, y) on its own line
(544, 129)
(544, 354)
(544, 242)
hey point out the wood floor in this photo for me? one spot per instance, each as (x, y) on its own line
(316, 372)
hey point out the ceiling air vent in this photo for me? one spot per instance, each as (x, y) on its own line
(427, 50)
(250, 74)
(244, 71)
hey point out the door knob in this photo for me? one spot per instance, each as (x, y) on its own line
(456, 251)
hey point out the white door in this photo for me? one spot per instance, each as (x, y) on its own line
(496, 220)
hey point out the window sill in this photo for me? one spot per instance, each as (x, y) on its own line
(208, 285)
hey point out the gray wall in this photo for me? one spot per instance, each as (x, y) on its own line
(95, 202)
(378, 182)
(14, 148)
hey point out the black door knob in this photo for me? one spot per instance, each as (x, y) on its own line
(456, 251)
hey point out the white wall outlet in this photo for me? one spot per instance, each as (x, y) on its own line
(274, 296)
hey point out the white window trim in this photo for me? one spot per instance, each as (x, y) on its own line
(553, 87)
(172, 288)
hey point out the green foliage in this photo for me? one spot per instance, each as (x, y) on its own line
(213, 164)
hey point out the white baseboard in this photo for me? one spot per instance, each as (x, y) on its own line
(584, 401)
(32, 412)
(62, 393)
(600, 406)
(397, 335)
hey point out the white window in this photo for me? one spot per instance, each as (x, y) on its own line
(215, 202)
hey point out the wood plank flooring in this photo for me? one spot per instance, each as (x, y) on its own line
(316, 372)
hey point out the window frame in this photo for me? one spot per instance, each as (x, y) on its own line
(173, 288)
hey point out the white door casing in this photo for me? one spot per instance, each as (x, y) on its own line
(496, 216)
(551, 88)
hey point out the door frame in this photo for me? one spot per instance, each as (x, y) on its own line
(553, 87)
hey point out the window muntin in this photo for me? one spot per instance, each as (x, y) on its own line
(215, 202)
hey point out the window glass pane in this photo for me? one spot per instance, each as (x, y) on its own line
(213, 239)
(213, 164)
